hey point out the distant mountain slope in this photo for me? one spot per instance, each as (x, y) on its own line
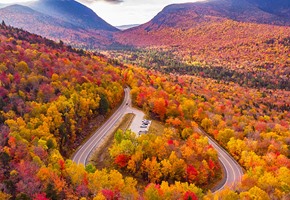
(21, 16)
(231, 34)
(199, 14)
(278, 7)
(73, 12)
(53, 27)
(124, 27)
(191, 14)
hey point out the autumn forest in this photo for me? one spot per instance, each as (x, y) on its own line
(233, 88)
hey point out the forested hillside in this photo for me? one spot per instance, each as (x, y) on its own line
(69, 21)
(253, 125)
(224, 40)
(49, 95)
(223, 66)
(73, 12)
(53, 96)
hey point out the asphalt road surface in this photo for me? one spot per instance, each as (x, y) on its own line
(233, 171)
(84, 151)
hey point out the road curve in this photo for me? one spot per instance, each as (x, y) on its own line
(233, 171)
(84, 151)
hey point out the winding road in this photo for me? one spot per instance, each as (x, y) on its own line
(233, 171)
(83, 152)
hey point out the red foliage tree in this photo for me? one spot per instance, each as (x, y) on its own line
(122, 160)
(211, 164)
(191, 173)
(40, 196)
(190, 196)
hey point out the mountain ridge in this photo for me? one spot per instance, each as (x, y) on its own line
(127, 26)
(279, 7)
(238, 10)
(220, 35)
(72, 12)
(55, 28)
(185, 16)
(25, 10)
(199, 14)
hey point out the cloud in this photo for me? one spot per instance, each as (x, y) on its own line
(109, 1)
(114, 1)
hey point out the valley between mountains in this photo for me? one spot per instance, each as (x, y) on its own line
(217, 68)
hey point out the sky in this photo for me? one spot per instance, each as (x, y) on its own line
(14, 1)
(123, 12)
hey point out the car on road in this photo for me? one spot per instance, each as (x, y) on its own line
(142, 132)
(145, 122)
(143, 126)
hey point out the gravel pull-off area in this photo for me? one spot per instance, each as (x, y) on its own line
(137, 121)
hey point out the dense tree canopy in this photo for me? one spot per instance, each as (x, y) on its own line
(49, 94)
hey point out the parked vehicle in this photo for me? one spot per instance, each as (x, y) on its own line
(145, 122)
